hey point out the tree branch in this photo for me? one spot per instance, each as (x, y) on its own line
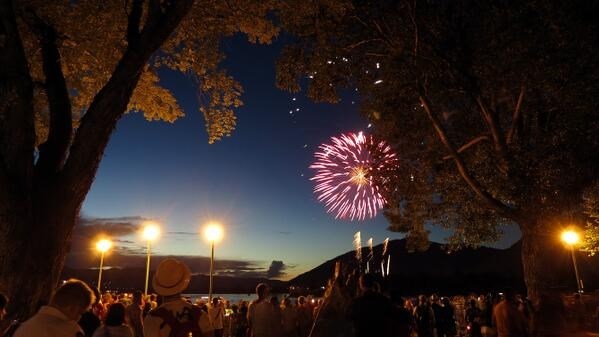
(516, 115)
(491, 201)
(468, 145)
(133, 22)
(498, 140)
(16, 106)
(53, 152)
(111, 102)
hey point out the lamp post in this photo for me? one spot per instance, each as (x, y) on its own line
(102, 246)
(212, 233)
(571, 238)
(150, 233)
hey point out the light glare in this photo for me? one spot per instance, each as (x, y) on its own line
(151, 232)
(570, 237)
(103, 245)
(213, 232)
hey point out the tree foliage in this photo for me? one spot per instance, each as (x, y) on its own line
(92, 38)
(591, 209)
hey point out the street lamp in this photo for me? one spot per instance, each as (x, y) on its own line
(571, 238)
(150, 233)
(212, 232)
(102, 246)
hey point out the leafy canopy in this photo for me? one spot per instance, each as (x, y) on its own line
(93, 39)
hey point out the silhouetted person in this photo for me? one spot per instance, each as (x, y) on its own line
(508, 320)
(114, 323)
(90, 321)
(371, 312)
(425, 318)
(134, 313)
(260, 313)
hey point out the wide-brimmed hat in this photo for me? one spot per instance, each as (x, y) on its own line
(172, 277)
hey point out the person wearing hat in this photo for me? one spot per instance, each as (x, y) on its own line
(175, 316)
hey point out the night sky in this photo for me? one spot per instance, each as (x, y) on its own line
(256, 183)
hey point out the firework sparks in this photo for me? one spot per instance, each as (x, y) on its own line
(358, 246)
(385, 246)
(370, 250)
(346, 171)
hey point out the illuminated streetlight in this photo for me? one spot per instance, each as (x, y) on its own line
(571, 238)
(150, 233)
(102, 246)
(212, 232)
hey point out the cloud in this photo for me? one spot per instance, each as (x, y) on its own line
(113, 227)
(128, 254)
(276, 269)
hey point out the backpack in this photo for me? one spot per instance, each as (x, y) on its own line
(181, 329)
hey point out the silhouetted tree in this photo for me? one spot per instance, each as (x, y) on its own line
(491, 106)
(69, 71)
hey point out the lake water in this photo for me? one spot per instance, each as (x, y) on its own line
(233, 298)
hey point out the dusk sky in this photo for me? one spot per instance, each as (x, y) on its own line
(256, 183)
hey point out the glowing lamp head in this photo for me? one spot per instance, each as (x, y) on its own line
(103, 245)
(151, 232)
(213, 232)
(570, 237)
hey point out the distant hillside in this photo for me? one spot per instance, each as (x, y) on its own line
(435, 270)
(129, 279)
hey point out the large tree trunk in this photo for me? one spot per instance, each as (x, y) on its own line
(538, 256)
(33, 251)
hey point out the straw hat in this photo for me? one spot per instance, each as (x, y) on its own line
(172, 277)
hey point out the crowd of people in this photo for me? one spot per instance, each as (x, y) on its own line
(76, 310)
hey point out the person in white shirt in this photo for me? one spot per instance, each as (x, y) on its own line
(60, 317)
(175, 317)
(217, 315)
(261, 313)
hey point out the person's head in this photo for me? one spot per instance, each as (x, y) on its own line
(137, 297)
(115, 316)
(434, 298)
(287, 302)
(215, 301)
(472, 303)
(171, 278)
(301, 300)
(235, 308)
(445, 301)
(262, 290)
(72, 298)
(274, 300)
(422, 299)
(3, 304)
(153, 297)
(368, 282)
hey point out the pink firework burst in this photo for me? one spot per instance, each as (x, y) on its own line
(346, 171)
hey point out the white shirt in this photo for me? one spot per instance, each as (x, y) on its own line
(216, 316)
(49, 322)
(260, 318)
(177, 307)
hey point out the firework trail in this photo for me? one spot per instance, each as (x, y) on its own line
(358, 247)
(348, 175)
(370, 250)
(385, 245)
